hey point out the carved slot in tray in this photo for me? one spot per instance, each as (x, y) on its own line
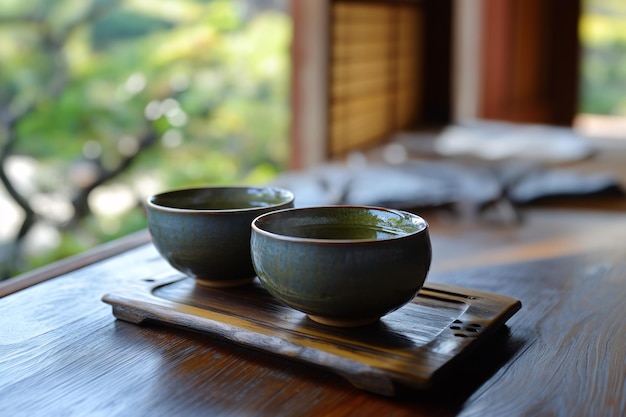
(411, 346)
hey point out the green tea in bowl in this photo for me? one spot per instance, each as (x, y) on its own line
(205, 232)
(342, 265)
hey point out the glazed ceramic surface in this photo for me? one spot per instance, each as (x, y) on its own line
(205, 232)
(342, 265)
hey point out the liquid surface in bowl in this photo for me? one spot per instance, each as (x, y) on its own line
(344, 231)
(217, 205)
(233, 198)
(341, 223)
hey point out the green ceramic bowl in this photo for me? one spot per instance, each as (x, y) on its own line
(341, 265)
(205, 232)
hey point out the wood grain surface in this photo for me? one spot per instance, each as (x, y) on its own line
(63, 353)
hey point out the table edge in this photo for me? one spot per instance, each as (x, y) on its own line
(99, 253)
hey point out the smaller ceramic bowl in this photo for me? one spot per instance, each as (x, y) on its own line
(205, 232)
(341, 265)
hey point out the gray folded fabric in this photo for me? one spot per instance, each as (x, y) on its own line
(543, 184)
(436, 183)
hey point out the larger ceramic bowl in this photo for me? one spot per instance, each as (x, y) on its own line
(342, 265)
(205, 232)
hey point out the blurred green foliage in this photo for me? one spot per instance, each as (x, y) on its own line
(603, 69)
(209, 78)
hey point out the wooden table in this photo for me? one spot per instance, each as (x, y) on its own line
(63, 353)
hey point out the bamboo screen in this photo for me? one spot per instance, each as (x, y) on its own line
(374, 72)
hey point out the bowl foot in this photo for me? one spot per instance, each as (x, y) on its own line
(338, 322)
(224, 283)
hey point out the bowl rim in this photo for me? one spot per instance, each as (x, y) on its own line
(277, 236)
(150, 200)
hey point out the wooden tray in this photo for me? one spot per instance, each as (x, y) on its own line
(412, 346)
